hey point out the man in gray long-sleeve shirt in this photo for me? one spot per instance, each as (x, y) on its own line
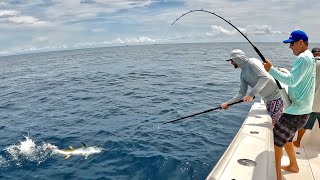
(262, 84)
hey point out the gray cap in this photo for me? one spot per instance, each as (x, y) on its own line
(237, 53)
(237, 56)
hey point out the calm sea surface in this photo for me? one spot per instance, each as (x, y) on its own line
(116, 98)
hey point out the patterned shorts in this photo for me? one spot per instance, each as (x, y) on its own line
(287, 126)
(275, 109)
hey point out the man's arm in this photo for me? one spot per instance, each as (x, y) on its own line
(263, 79)
(242, 92)
(294, 76)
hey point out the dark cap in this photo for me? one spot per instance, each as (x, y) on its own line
(316, 49)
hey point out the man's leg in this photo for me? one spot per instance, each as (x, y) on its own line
(278, 155)
(308, 125)
(299, 122)
(293, 166)
(300, 135)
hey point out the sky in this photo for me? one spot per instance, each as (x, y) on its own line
(48, 25)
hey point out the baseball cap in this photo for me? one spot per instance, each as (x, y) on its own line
(296, 36)
(316, 49)
(237, 53)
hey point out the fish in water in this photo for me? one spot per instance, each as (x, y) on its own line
(84, 151)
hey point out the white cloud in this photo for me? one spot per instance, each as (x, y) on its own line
(45, 48)
(123, 4)
(218, 30)
(260, 30)
(118, 40)
(92, 23)
(250, 29)
(85, 44)
(91, 44)
(32, 48)
(72, 10)
(28, 20)
(139, 40)
(8, 12)
(23, 19)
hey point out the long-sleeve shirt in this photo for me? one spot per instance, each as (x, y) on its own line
(301, 83)
(254, 75)
(316, 102)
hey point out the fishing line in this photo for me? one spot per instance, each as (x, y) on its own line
(282, 91)
(168, 32)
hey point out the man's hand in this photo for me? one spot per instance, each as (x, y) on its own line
(267, 65)
(224, 106)
(247, 98)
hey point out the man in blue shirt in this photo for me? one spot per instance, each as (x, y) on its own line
(301, 87)
(316, 103)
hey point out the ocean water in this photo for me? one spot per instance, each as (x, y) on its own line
(116, 98)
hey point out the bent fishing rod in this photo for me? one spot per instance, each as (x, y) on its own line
(201, 112)
(213, 13)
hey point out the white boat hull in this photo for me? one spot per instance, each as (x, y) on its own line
(259, 149)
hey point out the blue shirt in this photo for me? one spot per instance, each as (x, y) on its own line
(301, 83)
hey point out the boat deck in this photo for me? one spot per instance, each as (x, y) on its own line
(251, 155)
(308, 157)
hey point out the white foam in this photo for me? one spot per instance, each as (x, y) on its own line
(27, 150)
(27, 147)
(3, 162)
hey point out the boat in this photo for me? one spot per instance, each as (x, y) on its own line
(250, 155)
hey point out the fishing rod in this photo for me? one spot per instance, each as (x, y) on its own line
(213, 13)
(201, 10)
(201, 112)
(283, 92)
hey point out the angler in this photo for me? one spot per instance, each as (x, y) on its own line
(283, 93)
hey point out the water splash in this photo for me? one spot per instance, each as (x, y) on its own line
(27, 147)
(3, 162)
(26, 151)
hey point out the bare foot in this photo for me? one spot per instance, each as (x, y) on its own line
(296, 144)
(294, 169)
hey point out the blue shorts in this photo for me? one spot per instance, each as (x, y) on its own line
(312, 120)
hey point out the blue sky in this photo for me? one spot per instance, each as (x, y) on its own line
(45, 25)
